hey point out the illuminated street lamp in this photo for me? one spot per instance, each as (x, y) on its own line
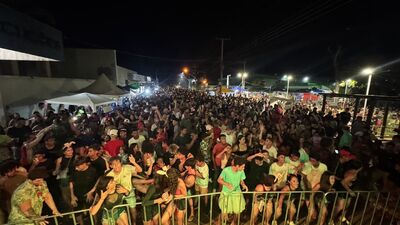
(367, 72)
(185, 70)
(243, 76)
(306, 79)
(287, 78)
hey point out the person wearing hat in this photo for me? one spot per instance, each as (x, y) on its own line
(345, 156)
(123, 135)
(112, 146)
(27, 200)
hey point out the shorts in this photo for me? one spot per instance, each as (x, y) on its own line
(180, 204)
(131, 199)
(111, 218)
(198, 188)
(82, 203)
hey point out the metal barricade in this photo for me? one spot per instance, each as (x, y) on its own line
(253, 208)
(361, 208)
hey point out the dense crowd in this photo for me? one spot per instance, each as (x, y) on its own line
(177, 143)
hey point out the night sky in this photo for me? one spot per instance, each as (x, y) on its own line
(273, 37)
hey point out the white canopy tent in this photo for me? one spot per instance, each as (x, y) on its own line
(82, 99)
(103, 86)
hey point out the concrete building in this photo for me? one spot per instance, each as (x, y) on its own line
(78, 64)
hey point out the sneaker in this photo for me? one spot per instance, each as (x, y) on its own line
(291, 223)
(345, 221)
(191, 218)
(274, 222)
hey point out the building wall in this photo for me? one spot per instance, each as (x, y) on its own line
(86, 64)
(77, 63)
(24, 38)
(124, 74)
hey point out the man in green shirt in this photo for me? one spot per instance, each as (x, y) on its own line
(346, 139)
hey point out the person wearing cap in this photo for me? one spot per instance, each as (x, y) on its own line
(123, 135)
(345, 156)
(27, 200)
(113, 145)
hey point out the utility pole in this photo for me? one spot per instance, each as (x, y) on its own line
(221, 66)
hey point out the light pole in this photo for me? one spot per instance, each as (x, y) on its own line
(243, 76)
(369, 72)
(227, 80)
(346, 84)
(287, 78)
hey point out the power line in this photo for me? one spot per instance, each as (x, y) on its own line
(267, 32)
(260, 38)
(141, 55)
(295, 26)
(290, 24)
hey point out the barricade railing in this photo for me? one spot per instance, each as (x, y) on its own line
(295, 207)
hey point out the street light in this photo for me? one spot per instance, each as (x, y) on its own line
(346, 84)
(227, 80)
(243, 76)
(287, 78)
(185, 70)
(306, 79)
(368, 72)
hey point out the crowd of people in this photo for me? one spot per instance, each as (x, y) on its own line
(161, 149)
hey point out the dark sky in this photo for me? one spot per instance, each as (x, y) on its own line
(273, 37)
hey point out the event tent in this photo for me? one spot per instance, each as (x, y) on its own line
(103, 86)
(83, 99)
